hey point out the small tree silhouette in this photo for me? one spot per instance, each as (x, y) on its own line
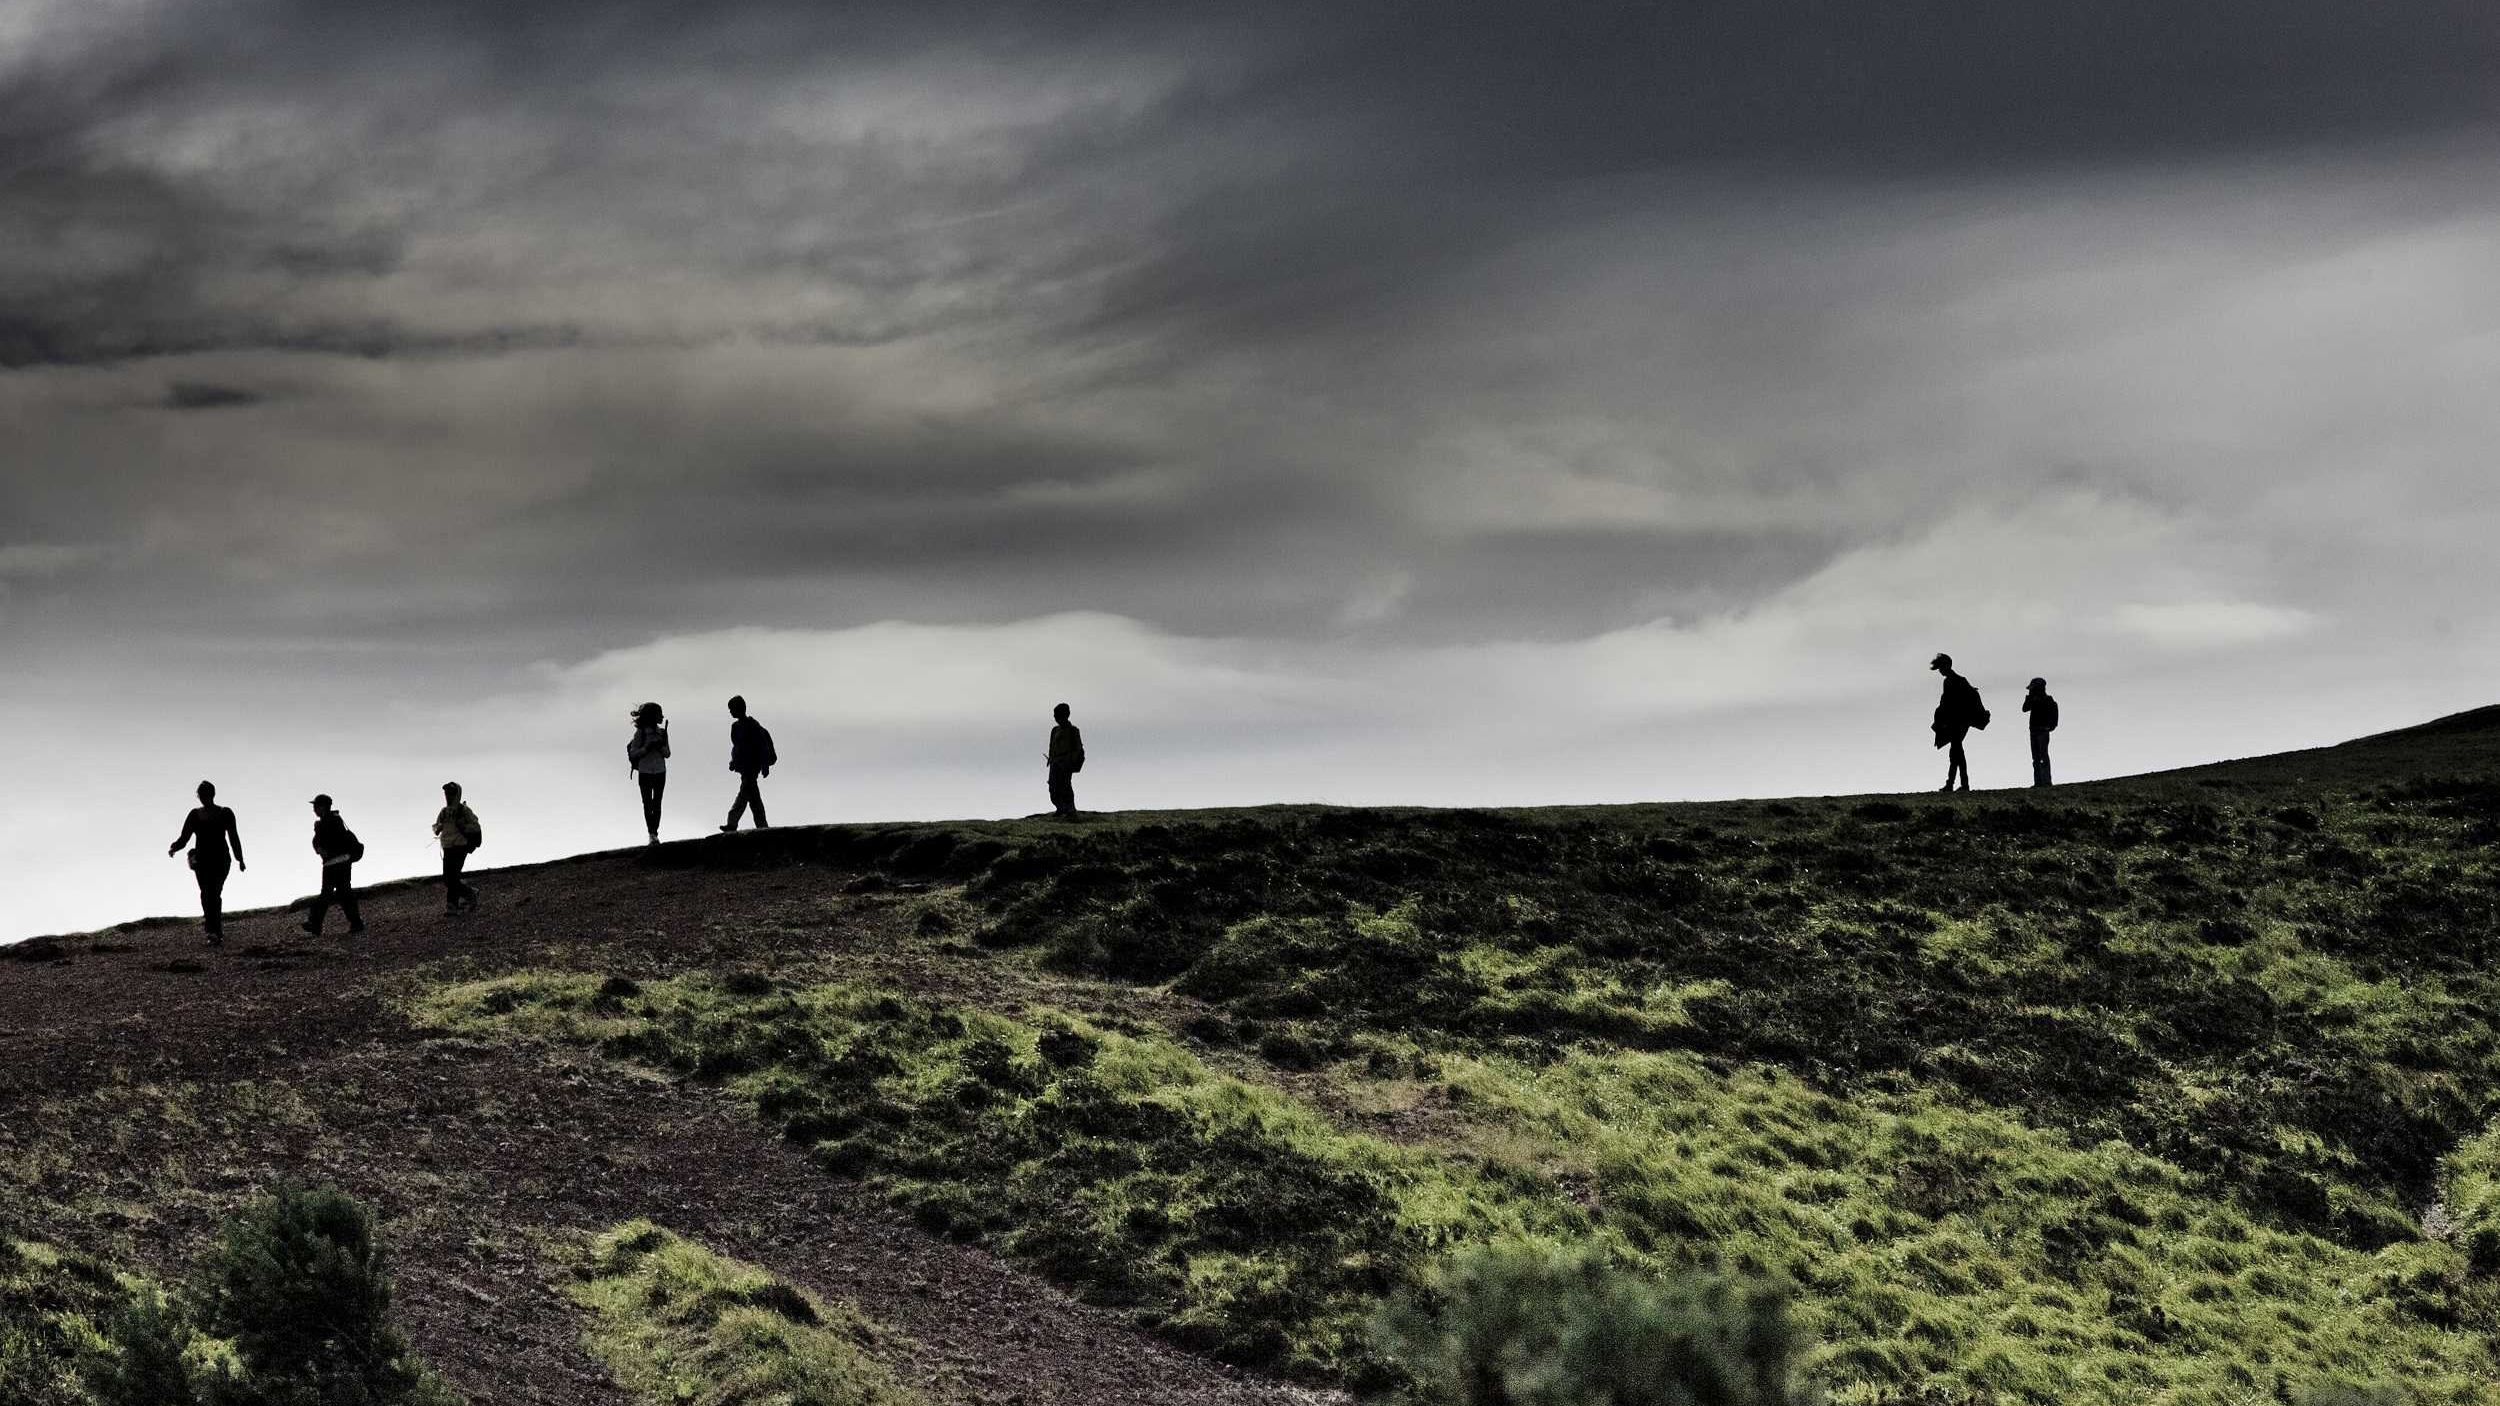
(300, 1288)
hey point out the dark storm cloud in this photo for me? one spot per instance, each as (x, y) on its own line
(204, 395)
(1317, 152)
(1186, 291)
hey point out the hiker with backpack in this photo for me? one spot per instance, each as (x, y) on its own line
(339, 850)
(211, 826)
(750, 755)
(457, 829)
(2043, 710)
(646, 758)
(1065, 759)
(1957, 712)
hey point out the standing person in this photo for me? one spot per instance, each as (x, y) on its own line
(1957, 712)
(750, 755)
(2043, 710)
(212, 825)
(459, 832)
(646, 756)
(339, 850)
(1065, 759)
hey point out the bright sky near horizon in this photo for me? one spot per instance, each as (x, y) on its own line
(1457, 404)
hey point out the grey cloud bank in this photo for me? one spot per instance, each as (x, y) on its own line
(1439, 404)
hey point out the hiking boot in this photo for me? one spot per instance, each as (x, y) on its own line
(310, 928)
(729, 829)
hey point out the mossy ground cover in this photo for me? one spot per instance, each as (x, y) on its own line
(1941, 1251)
(682, 1325)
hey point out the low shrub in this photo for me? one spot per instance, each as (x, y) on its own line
(292, 1309)
(1524, 1325)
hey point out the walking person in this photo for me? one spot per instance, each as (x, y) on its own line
(339, 850)
(211, 826)
(459, 832)
(750, 755)
(1065, 759)
(646, 757)
(2043, 710)
(1957, 712)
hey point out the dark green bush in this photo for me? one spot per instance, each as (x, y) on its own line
(144, 1363)
(1528, 1326)
(300, 1288)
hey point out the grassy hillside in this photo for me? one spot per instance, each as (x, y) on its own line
(2170, 1089)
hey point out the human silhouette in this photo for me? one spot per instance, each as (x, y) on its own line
(212, 826)
(2043, 710)
(1957, 712)
(1065, 759)
(646, 757)
(339, 850)
(750, 755)
(457, 829)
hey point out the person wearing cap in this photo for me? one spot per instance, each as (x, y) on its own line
(1957, 712)
(646, 757)
(458, 831)
(339, 850)
(211, 826)
(2043, 710)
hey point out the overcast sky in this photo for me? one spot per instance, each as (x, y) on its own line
(1444, 403)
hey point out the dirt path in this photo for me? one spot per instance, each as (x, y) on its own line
(475, 1154)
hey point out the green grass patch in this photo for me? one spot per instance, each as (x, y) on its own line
(1223, 1213)
(1932, 1244)
(681, 1325)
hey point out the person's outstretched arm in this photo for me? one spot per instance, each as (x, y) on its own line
(234, 837)
(184, 838)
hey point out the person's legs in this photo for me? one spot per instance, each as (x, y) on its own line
(748, 795)
(1957, 768)
(320, 913)
(212, 901)
(456, 893)
(1062, 793)
(2039, 759)
(652, 786)
(339, 882)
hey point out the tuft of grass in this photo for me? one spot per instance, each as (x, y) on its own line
(681, 1325)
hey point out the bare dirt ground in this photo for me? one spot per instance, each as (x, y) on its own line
(479, 1157)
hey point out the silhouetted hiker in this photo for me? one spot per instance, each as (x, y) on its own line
(1957, 712)
(750, 755)
(646, 756)
(1065, 759)
(2043, 710)
(212, 825)
(339, 850)
(458, 830)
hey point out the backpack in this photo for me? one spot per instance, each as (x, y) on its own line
(764, 747)
(475, 830)
(355, 847)
(1974, 711)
